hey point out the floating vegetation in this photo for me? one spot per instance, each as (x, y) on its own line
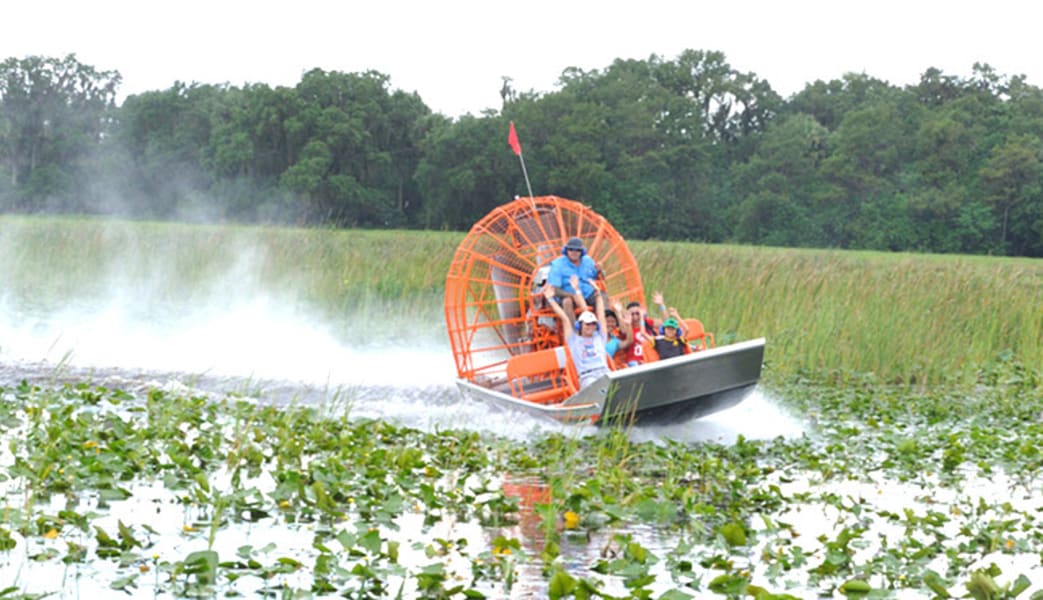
(889, 493)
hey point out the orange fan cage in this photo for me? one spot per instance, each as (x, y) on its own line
(492, 311)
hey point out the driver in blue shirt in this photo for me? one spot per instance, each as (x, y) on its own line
(574, 262)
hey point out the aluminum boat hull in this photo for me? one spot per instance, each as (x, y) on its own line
(665, 391)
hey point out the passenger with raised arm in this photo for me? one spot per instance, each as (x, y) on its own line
(620, 335)
(586, 339)
(657, 299)
(672, 341)
(643, 348)
(619, 329)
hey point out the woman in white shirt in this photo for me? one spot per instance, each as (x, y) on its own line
(586, 339)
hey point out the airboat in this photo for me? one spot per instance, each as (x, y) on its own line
(509, 350)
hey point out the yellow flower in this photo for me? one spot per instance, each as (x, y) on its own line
(571, 520)
(189, 529)
(501, 551)
(1009, 544)
(90, 444)
(53, 533)
(285, 505)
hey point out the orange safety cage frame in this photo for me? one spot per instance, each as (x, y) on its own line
(489, 310)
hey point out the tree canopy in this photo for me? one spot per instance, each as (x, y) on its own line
(685, 149)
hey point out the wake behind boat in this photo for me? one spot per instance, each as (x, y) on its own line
(509, 349)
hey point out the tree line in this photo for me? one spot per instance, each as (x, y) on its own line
(677, 149)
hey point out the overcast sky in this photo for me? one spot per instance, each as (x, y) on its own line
(454, 53)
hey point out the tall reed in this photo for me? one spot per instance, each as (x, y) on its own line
(901, 317)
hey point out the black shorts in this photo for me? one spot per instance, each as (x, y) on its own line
(591, 300)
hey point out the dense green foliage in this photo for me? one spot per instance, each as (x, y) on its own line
(682, 149)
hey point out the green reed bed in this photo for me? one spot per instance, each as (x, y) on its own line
(335, 275)
(903, 318)
(323, 263)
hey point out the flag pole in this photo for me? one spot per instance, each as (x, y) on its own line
(512, 140)
(526, 175)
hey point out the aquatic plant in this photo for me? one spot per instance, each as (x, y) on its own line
(888, 490)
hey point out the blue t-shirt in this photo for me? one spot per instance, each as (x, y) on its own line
(562, 269)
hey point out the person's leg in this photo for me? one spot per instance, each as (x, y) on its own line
(567, 304)
(592, 299)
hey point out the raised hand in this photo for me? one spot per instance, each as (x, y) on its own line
(657, 297)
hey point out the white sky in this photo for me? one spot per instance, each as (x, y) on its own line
(454, 52)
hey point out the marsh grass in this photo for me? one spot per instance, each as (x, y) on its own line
(899, 318)
(343, 278)
(891, 318)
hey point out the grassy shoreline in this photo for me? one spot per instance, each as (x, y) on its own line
(827, 314)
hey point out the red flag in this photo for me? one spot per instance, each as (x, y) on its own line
(512, 139)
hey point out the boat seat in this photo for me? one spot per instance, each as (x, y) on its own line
(698, 337)
(543, 376)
